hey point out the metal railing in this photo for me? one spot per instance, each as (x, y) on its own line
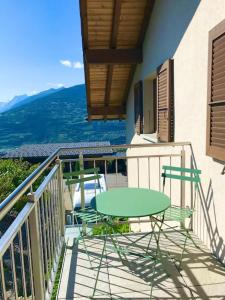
(31, 246)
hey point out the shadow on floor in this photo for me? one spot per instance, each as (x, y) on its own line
(201, 277)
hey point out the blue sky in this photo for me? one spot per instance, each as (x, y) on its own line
(40, 46)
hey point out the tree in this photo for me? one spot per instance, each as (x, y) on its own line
(12, 174)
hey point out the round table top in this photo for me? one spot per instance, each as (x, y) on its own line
(131, 202)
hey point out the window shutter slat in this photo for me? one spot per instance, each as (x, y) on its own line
(165, 103)
(138, 107)
(216, 93)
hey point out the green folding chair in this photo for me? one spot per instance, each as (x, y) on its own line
(177, 213)
(85, 215)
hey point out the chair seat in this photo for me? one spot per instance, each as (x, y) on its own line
(89, 215)
(176, 213)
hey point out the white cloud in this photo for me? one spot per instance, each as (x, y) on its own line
(71, 64)
(78, 65)
(66, 63)
(56, 85)
(32, 93)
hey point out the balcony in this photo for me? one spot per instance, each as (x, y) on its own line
(41, 258)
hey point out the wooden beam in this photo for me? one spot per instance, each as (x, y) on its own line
(116, 22)
(84, 25)
(115, 27)
(108, 84)
(107, 110)
(84, 33)
(109, 117)
(113, 56)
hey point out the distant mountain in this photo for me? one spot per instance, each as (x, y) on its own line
(2, 104)
(55, 116)
(23, 99)
(15, 100)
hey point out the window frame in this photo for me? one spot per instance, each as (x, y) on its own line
(213, 151)
(138, 107)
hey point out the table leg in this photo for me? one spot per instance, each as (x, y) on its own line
(100, 263)
(158, 250)
(117, 247)
(132, 242)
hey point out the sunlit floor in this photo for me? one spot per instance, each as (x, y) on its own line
(201, 277)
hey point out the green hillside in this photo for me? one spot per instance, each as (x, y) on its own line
(58, 117)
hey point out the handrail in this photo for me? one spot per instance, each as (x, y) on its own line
(119, 157)
(46, 181)
(10, 201)
(130, 146)
(11, 232)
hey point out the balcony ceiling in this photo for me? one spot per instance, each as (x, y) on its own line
(112, 36)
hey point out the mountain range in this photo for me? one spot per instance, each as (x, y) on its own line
(23, 99)
(54, 116)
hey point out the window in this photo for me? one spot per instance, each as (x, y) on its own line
(138, 107)
(156, 112)
(150, 112)
(215, 146)
(165, 102)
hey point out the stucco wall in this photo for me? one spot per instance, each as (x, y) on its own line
(179, 29)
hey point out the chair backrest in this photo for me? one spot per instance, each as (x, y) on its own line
(183, 174)
(79, 178)
(70, 180)
(180, 174)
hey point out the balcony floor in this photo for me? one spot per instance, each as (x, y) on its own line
(202, 276)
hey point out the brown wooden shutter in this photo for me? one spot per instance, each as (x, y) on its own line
(216, 93)
(165, 103)
(138, 107)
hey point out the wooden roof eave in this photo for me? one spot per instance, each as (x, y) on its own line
(111, 56)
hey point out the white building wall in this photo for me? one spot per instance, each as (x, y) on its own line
(179, 29)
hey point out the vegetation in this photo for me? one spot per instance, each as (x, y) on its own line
(58, 274)
(101, 229)
(12, 174)
(56, 118)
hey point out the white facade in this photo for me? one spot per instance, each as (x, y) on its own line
(179, 29)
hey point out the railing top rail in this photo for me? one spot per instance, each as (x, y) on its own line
(46, 181)
(13, 229)
(129, 146)
(120, 157)
(7, 204)
(10, 201)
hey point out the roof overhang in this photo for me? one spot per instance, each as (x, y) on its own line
(112, 36)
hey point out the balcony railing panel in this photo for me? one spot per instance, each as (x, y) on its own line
(31, 246)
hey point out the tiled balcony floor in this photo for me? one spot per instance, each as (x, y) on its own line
(202, 276)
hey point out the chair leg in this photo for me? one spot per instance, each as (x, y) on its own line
(158, 251)
(82, 237)
(191, 238)
(150, 239)
(187, 236)
(100, 264)
(117, 247)
(86, 251)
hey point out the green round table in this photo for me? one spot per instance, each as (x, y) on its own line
(131, 202)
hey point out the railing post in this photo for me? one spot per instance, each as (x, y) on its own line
(82, 195)
(81, 161)
(35, 241)
(182, 188)
(192, 190)
(61, 198)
